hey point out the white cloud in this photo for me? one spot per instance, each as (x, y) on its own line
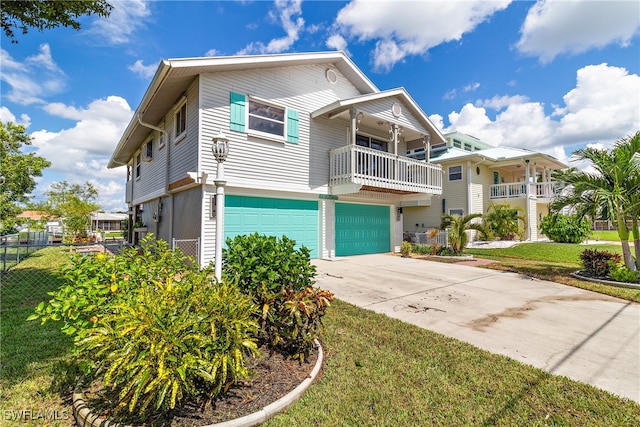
(80, 153)
(212, 52)
(126, 17)
(499, 102)
(288, 14)
(7, 116)
(453, 93)
(555, 27)
(144, 71)
(34, 79)
(471, 87)
(599, 109)
(337, 42)
(404, 28)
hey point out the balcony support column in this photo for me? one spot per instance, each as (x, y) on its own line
(352, 154)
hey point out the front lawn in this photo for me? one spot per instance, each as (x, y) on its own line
(378, 371)
(607, 236)
(554, 262)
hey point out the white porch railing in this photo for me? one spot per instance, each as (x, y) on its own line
(546, 190)
(354, 164)
(518, 190)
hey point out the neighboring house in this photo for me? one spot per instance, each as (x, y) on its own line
(477, 174)
(107, 221)
(317, 153)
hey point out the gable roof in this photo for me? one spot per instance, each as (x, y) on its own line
(173, 77)
(343, 105)
(500, 156)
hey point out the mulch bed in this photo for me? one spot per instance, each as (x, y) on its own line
(273, 376)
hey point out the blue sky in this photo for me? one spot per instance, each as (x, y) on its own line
(548, 75)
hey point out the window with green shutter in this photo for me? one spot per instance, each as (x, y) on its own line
(258, 117)
(292, 126)
(238, 106)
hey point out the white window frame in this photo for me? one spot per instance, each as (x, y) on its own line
(180, 117)
(450, 172)
(148, 151)
(378, 141)
(456, 211)
(257, 132)
(137, 165)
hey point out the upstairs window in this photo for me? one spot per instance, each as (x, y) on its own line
(457, 143)
(266, 118)
(181, 121)
(367, 141)
(137, 165)
(467, 146)
(251, 115)
(148, 151)
(455, 173)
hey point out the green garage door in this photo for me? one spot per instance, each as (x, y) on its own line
(362, 229)
(296, 219)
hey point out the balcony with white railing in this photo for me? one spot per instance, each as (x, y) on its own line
(366, 167)
(518, 190)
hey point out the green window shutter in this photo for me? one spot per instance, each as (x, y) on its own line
(238, 106)
(292, 126)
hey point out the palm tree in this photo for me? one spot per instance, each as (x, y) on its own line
(611, 191)
(501, 220)
(458, 226)
(630, 149)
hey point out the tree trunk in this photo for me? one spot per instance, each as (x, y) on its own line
(623, 233)
(636, 240)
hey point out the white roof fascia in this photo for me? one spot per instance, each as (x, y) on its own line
(344, 104)
(196, 66)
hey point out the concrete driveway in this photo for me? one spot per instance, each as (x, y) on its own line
(567, 331)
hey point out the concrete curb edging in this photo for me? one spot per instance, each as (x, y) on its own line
(577, 275)
(84, 417)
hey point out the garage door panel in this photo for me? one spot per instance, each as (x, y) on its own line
(296, 219)
(362, 229)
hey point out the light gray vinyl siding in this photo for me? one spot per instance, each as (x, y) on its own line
(184, 153)
(382, 109)
(151, 182)
(259, 162)
(187, 214)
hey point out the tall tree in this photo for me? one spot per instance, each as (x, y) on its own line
(17, 172)
(45, 14)
(74, 203)
(611, 191)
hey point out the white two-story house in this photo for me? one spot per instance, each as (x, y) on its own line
(317, 153)
(478, 174)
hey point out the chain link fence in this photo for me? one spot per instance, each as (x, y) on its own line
(189, 247)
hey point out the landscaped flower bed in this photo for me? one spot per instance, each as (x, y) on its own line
(158, 334)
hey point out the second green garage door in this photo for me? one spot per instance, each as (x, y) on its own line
(296, 219)
(362, 229)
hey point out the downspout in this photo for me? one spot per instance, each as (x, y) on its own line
(165, 136)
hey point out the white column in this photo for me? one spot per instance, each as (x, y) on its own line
(220, 183)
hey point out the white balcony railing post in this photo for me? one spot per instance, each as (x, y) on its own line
(366, 166)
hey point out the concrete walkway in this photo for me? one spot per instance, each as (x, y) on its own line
(567, 331)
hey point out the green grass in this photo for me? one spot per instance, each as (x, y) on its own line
(382, 372)
(554, 262)
(606, 235)
(33, 357)
(378, 372)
